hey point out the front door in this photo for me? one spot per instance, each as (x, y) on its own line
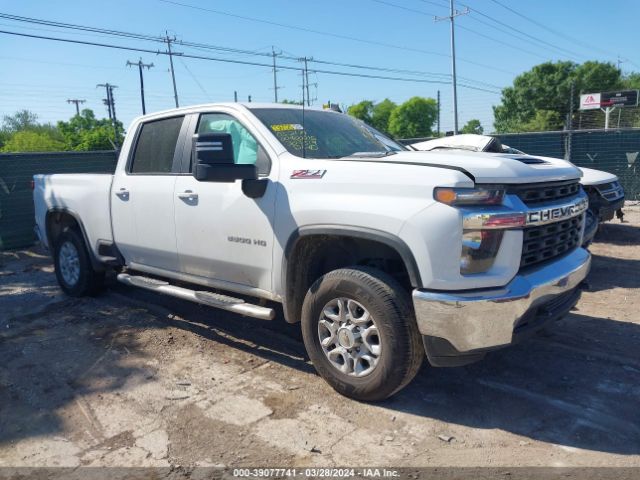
(221, 233)
(142, 207)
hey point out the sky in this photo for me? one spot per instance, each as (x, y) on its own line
(495, 41)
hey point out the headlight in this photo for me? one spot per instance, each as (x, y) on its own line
(479, 250)
(468, 196)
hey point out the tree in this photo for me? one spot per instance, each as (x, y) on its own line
(381, 113)
(547, 87)
(414, 118)
(473, 126)
(32, 141)
(21, 120)
(362, 111)
(86, 132)
(291, 102)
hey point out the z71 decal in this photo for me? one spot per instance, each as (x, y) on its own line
(306, 174)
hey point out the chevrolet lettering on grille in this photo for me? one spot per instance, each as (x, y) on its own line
(546, 215)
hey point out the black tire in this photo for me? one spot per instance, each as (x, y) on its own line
(89, 281)
(389, 304)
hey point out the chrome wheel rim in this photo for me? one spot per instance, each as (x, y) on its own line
(69, 262)
(349, 337)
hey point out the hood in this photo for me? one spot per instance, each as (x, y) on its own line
(596, 177)
(490, 167)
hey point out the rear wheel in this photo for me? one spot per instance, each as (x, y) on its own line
(74, 271)
(359, 330)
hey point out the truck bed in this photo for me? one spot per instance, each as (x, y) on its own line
(85, 196)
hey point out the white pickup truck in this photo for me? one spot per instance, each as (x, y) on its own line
(382, 254)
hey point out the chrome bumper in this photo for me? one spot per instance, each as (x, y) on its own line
(487, 318)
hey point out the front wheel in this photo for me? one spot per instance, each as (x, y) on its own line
(360, 333)
(74, 271)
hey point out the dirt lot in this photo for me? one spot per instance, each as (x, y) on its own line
(133, 379)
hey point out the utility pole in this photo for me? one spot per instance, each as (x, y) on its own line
(107, 101)
(173, 74)
(570, 124)
(275, 75)
(140, 67)
(438, 113)
(453, 13)
(111, 105)
(77, 102)
(305, 78)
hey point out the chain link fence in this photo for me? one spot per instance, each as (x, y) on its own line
(16, 196)
(615, 151)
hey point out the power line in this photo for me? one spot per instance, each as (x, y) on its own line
(240, 62)
(525, 34)
(232, 50)
(413, 10)
(329, 34)
(493, 39)
(549, 29)
(195, 79)
(475, 10)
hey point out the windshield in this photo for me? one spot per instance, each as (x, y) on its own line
(325, 134)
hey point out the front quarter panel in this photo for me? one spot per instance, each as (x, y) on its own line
(373, 196)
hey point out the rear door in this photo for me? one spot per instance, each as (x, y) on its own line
(142, 204)
(222, 234)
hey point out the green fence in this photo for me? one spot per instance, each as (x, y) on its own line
(613, 151)
(16, 200)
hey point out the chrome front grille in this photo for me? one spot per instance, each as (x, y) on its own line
(546, 242)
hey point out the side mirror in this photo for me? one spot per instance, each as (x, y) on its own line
(213, 159)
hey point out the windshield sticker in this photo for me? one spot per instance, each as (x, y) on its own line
(293, 139)
(305, 174)
(285, 127)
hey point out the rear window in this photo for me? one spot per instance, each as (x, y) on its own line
(156, 146)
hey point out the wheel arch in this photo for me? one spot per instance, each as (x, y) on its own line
(59, 218)
(294, 283)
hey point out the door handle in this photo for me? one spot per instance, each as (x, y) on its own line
(188, 195)
(123, 194)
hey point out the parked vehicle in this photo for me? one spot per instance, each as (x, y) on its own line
(606, 195)
(380, 252)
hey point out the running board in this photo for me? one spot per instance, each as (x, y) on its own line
(211, 299)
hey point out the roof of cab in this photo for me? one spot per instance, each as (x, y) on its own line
(232, 105)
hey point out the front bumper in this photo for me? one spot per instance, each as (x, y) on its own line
(486, 319)
(606, 210)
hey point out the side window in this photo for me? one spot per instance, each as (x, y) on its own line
(245, 146)
(156, 146)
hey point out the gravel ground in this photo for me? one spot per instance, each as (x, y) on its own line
(130, 378)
